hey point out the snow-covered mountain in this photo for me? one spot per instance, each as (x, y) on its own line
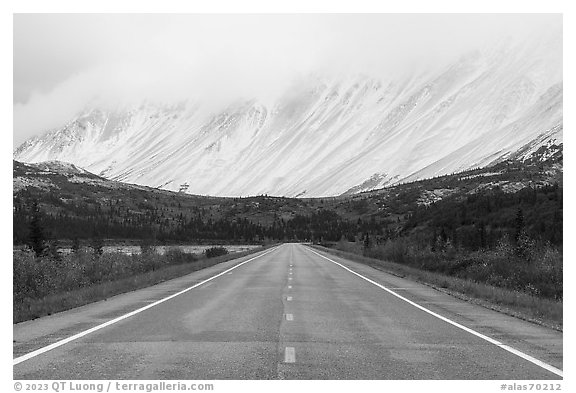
(326, 135)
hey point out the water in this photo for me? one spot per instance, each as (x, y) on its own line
(189, 249)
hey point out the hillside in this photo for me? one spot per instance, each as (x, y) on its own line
(327, 135)
(84, 205)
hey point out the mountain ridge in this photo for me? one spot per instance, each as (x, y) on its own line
(324, 136)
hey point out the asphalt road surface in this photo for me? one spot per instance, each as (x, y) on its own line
(291, 312)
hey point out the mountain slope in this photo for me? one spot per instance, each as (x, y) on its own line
(77, 203)
(327, 136)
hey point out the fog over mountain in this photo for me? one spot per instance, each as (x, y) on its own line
(294, 105)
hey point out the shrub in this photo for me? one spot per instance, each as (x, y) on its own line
(175, 256)
(43, 286)
(215, 252)
(36, 277)
(525, 265)
(147, 247)
(393, 250)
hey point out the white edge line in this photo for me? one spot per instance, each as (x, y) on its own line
(122, 317)
(514, 351)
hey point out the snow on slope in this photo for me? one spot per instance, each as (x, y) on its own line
(327, 136)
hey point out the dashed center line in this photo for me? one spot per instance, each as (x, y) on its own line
(289, 278)
(290, 355)
(289, 299)
(289, 317)
(289, 286)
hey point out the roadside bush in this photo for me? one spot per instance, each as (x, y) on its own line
(392, 250)
(147, 247)
(175, 256)
(526, 266)
(36, 277)
(44, 285)
(26, 275)
(215, 252)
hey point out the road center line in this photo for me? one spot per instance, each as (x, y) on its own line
(289, 299)
(290, 355)
(514, 351)
(289, 317)
(122, 317)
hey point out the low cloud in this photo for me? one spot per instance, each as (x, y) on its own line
(62, 63)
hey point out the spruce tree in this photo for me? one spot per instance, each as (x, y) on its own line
(36, 237)
(366, 241)
(97, 246)
(519, 224)
(75, 245)
(53, 250)
(482, 232)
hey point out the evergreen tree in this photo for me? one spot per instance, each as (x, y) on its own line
(75, 245)
(434, 246)
(53, 250)
(482, 232)
(443, 236)
(147, 246)
(519, 224)
(98, 246)
(366, 241)
(36, 237)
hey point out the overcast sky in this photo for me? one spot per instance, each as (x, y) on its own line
(64, 61)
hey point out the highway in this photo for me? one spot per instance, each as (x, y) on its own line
(290, 312)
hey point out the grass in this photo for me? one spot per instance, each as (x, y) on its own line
(31, 304)
(546, 312)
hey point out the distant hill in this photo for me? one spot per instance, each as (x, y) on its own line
(77, 203)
